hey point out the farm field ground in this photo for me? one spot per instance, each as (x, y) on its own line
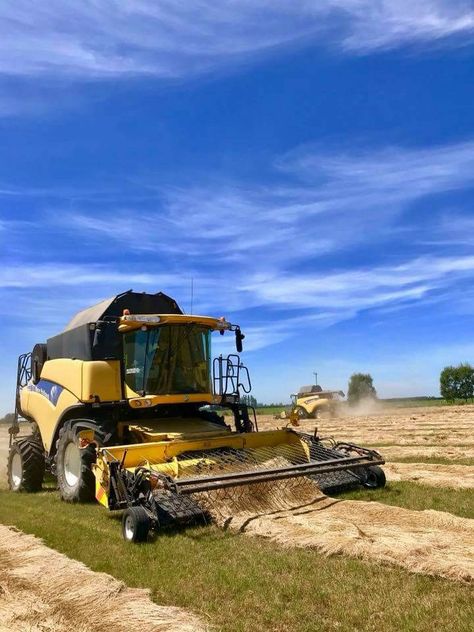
(401, 558)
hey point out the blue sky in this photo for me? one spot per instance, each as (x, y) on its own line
(309, 164)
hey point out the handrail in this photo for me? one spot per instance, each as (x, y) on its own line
(23, 376)
(227, 374)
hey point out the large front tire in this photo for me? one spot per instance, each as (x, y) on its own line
(76, 479)
(26, 465)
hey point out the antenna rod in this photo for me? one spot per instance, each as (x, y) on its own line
(315, 377)
(192, 293)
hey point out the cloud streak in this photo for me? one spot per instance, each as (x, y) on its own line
(322, 203)
(270, 248)
(177, 38)
(360, 289)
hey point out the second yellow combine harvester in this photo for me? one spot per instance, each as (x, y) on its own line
(311, 401)
(125, 407)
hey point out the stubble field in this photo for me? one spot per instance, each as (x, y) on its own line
(415, 538)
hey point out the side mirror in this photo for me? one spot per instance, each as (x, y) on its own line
(39, 355)
(97, 337)
(35, 371)
(239, 336)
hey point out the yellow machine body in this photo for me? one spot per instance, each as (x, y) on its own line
(312, 404)
(66, 383)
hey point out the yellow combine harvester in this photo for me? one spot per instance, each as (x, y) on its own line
(125, 408)
(311, 401)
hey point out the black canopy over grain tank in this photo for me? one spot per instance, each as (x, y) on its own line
(92, 334)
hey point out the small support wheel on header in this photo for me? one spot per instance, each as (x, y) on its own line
(375, 477)
(135, 524)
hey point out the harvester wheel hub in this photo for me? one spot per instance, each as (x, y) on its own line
(72, 464)
(16, 474)
(128, 528)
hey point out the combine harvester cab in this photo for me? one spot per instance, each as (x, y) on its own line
(125, 405)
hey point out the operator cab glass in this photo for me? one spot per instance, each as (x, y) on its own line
(168, 360)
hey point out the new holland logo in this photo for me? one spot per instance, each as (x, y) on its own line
(47, 389)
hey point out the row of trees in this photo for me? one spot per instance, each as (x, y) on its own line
(250, 400)
(457, 382)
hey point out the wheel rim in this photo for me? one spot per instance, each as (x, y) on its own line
(371, 480)
(128, 528)
(72, 464)
(16, 471)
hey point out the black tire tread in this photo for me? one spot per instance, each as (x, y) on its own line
(33, 463)
(142, 523)
(380, 477)
(301, 412)
(85, 491)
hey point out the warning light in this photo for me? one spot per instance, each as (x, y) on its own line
(221, 322)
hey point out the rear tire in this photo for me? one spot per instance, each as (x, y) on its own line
(375, 477)
(26, 465)
(76, 480)
(135, 524)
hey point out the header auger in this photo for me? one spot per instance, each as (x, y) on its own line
(125, 407)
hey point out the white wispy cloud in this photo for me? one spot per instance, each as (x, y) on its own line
(403, 172)
(322, 202)
(359, 289)
(453, 230)
(263, 249)
(387, 23)
(65, 274)
(174, 38)
(316, 299)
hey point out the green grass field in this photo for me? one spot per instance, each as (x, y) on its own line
(459, 502)
(238, 583)
(409, 402)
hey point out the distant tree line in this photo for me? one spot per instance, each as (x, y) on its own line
(250, 400)
(7, 419)
(457, 382)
